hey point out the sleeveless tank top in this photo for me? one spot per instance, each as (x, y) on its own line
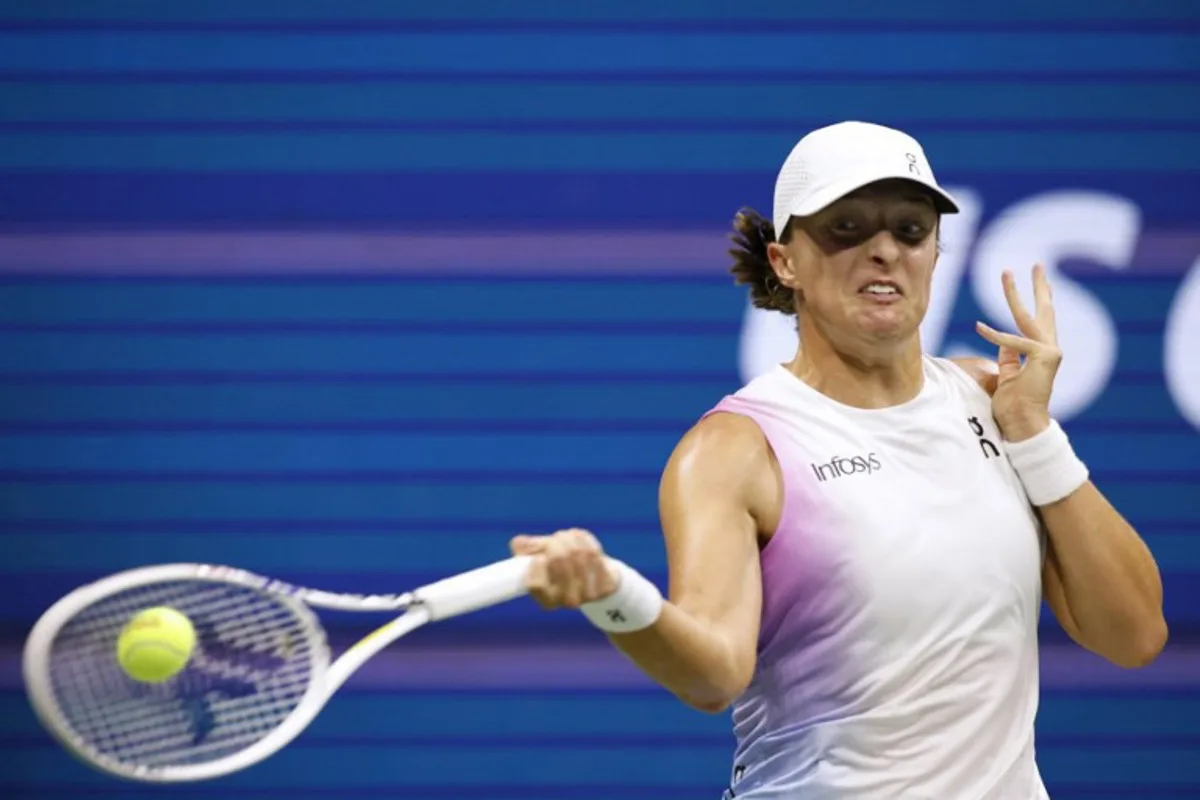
(897, 656)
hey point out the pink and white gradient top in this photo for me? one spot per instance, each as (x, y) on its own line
(897, 657)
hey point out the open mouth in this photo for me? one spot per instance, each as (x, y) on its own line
(881, 291)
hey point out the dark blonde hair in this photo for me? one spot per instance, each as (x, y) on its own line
(751, 265)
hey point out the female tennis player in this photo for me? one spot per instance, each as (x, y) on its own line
(859, 541)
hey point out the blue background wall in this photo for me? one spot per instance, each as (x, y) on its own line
(347, 293)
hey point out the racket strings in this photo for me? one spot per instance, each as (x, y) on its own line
(251, 667)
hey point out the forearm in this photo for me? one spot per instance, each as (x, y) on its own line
(1101, 579)
(1110, 583)
(685, 651)
(687, 657)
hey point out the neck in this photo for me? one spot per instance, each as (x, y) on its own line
(871, 378)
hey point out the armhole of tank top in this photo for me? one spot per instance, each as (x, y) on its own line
(732, 405)
(960, 373)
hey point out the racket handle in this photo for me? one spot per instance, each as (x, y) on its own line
(478, 588)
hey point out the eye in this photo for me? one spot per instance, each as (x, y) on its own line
(844, 226)
(912, 231)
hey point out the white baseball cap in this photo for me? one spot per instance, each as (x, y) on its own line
(833, 161)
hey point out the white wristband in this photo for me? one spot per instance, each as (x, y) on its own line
(635, 604)
(1047, 465)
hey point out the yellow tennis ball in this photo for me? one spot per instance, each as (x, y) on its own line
(156, 644)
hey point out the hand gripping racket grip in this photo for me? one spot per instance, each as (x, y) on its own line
(475, 589)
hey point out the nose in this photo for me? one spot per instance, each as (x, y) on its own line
(883, 249)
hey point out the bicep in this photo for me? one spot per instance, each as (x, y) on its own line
(706, 505)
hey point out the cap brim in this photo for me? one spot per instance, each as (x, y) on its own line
(820, 198)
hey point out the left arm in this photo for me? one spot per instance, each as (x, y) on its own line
(1099, 578)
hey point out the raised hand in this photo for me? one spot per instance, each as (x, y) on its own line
(1028, 362)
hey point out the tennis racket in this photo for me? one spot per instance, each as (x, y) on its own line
(261, 671)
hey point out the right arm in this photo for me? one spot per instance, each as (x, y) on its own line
(719, 489)
(703, 646)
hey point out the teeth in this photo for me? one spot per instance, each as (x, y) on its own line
(881, 288)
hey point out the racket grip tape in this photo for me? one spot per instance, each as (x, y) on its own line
(475, 589)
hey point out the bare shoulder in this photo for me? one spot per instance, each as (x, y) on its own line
(983, 370)
(724, 462)
(724, 438)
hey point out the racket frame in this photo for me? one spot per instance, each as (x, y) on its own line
(325, 676)
(459, 594)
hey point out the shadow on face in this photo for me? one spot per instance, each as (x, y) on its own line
(901, 207)
(863, 266)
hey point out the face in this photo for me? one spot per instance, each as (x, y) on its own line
(863, 266)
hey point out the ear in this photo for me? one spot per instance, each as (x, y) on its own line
(780, 262)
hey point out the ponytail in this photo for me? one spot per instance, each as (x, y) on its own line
(752, 266)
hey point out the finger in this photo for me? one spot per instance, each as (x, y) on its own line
(538, 583)
(579, 555)
(1009, 363)
(608, 575)
(1043, 298)
(567, 566)
(1018, 343)
(592, 575)
(579, 588)
(1026, 324)
(556, 566)
(584, 552)
(601, 582)
(524, 545)
(589, 575)
(564, 572)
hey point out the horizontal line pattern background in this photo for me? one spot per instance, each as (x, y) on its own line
(85, 104)
(321, 12)
(560, 52)
(481, 150)
(349, 293)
